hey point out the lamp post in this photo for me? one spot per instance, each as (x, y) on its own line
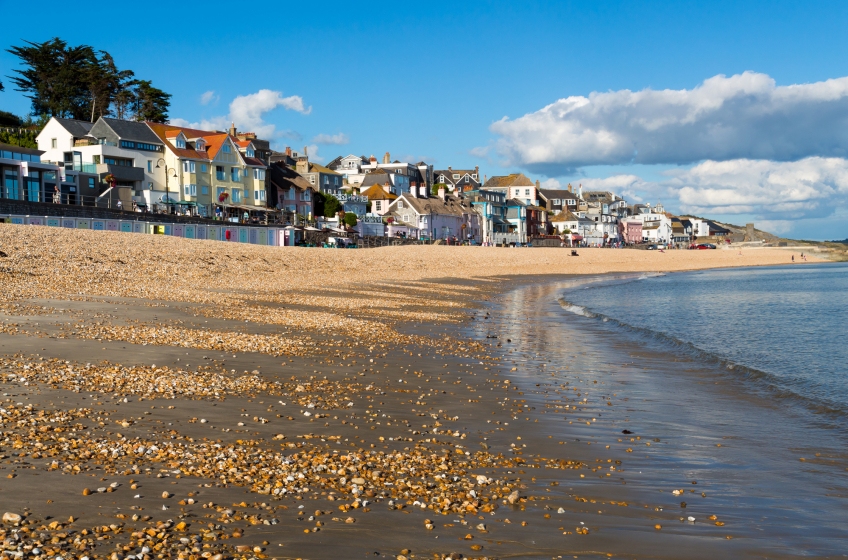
(162, 163)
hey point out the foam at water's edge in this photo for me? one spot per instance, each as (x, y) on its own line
(776, 387)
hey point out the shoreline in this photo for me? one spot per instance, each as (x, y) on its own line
(367, 389)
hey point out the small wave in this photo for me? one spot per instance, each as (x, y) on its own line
(776, 386)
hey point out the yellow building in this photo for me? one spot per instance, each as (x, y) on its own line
(212, 172)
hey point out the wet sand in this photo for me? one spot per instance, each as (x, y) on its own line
(265, 403)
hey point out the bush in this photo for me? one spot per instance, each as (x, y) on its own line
(350, 219)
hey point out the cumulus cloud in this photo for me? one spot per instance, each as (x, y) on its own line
(208, 98)
(247, 112)
(746, 116)
(337, 139)
(808, 188)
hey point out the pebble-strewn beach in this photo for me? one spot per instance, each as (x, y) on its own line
(169, 398)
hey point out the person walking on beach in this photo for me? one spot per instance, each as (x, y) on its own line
(793, 258)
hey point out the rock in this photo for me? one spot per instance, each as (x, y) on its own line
(166, 495)
(513, 497)
(86, 492)
(358, 480)
(10, 517)
(561, 510)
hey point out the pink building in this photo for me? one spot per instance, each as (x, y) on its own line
(630, 230)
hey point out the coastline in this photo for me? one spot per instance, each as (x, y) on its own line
(355, 350)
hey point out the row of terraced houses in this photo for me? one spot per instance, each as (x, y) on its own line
(235, 176)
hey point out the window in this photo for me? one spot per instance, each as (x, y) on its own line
(246, 173)
(526, 192)
(378, 205)
(556, 202)
(219, 172)
(118, 161)
(249, 152)
(128, 144)
(336, 181)
(259, 174)
(190, 190)
(53, 143)
(400, 204)
(236, 196)
(312, 179)
(204, 190)
(259, 195)
(326, 180)
(91, 182)
(234, 174)
(456, 175)
(406, 218)
(180, 142)
(189, 167)
(150, 166)
(203, 168)
(474, 176)
(95, 160)
(219, 191)
(226, 148)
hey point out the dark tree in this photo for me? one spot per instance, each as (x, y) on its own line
(151, 104)
(350, 219)
(54, 77)
(81, 83)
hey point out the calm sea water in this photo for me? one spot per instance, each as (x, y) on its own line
(781, 330)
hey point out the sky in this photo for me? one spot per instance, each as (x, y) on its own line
(731, 110)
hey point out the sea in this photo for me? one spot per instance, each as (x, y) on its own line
(780, 331)
(738, 378)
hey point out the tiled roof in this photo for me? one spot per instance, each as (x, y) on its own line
(131, 130)
(506, 181)
(566, 216)
(318, 168)
(376, 192)
(77, 128)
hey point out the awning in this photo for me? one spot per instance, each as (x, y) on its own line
(187, 203)
(576, 237)
(499, 221)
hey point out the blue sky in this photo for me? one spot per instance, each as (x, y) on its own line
(429, 81)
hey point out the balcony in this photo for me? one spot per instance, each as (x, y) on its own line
(220, 175)
(81, 167)
(120, 172)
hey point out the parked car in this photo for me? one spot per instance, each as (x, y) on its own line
(706, 246)
(656, 246)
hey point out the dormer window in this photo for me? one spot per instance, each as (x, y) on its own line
(249, 152)
(199, 144)
(180, 142)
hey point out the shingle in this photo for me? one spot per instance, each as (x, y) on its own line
(131, 130)
(77, 128)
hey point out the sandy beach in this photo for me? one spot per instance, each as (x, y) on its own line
(169, 398)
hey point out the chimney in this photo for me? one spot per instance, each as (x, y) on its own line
(232, 129)
(288, 151)
(372, 159)
(477, 170)
(570, 188)
(387, 187)
(450, 168)
(302, 165)
(442, 191)
(387, 158)
(538, 185)
(422, 191)
(414, 192)
(306, 151)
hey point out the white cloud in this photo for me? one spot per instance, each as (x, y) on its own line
(312, 151)
(208, 97)
(248, 112)
(480, 151)
(809, 188)
(337, 139)
(746, 116)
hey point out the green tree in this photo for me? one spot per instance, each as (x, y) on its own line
(9, 119)
(332, 206)
(434, 190)
(105, 82)
(53, 77)
(350, 219)
(151, 104)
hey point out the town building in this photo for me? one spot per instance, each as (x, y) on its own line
(416, 214)
(290, 193)
(458, 180)
(492, 208)
(515, 186)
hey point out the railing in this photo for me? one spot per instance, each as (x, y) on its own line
(220, 175)
(81, 167)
